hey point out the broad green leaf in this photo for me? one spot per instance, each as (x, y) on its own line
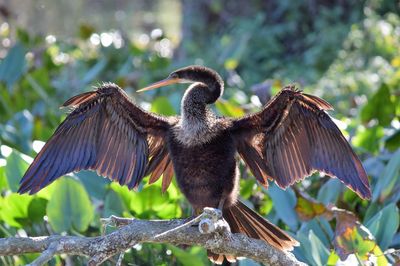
(302, 252)
(13, 65)
(149, 200)
(380, 106)
(332, 259)
(330, 191)
(226, 108)
(368, 138)
(373, 208)
(37, 209)
(14, 209)
(393, 141)
(161, 105)
(3, 177)
(284, 204)
(351, 237)
(188, 257)
(69, 206)
(374, 166)
(170, 211)
(384, 224)
(22, 122)
(246, 187)
(380, 257)
(321, 228)
(318, 251)
(94, 184)
(113, 205)
(389, 178)
(308, 208)
(123, 191)
(15, 169)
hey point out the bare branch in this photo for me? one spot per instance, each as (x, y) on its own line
(134, 231)
(47, 255)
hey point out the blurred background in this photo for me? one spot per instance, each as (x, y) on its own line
(347, 52)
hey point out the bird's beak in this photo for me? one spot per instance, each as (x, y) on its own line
(164, 82)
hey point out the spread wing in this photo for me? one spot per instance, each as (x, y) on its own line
(106, 133)
(292, 137)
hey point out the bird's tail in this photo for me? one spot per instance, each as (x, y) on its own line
(242, 219)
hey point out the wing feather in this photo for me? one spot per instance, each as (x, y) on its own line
(298, 138)
(106, 133)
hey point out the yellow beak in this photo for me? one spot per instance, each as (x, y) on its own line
(164, 82)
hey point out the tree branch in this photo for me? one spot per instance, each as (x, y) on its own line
(215, 237)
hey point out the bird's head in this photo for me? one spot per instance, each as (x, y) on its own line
(203, 77)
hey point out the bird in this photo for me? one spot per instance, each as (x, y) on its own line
(291, 137)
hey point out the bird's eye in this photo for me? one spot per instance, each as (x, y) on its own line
(174, 75)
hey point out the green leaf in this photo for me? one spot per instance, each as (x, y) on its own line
(113, 205)
(330, 191)
(311, 249)
(3, 177)
(92, 73)
(321, 228)
(123, 192)
(380, 106)
(351, 237)
(37, 209)
(149, 200)
(69, 206)
(14, 209)
(380, 257)
(369, 138)
(389, 178)
(246, 187)
(228, 109)
(15, 169)
(22, 122)
(94, 184)
(284, 205)
(308, 208)
(13, 65)
(384, 224)
(169, 211)
(393, 141)
(332, 259)
(161, 105)
(318, 251)
(189, 257)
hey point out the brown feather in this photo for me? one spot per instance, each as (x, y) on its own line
(299, 138)
(159, 170)
(167, 177)
(105, 132)
(242, 219)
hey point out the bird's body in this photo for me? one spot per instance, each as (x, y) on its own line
(291, 137)
(206, 172)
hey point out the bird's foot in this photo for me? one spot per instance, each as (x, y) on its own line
(213, 222)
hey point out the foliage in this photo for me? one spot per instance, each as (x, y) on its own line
(360, 77)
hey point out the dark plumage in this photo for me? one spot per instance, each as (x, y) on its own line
(291, 137)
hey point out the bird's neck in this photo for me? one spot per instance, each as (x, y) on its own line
(197, 120)
(194, 108)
